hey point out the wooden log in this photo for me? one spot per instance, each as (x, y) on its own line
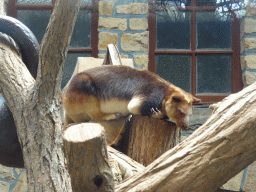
(128, 166)
(123, 166)
(112, 56)
(87, 159)
(213, 154)
(150, 137)
(113, 129)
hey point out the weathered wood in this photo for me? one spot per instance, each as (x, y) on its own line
(150, 137)
(36, 105)
(213, 154)
(87, 159)
(113, 129)
(128, 166)
(112, 56)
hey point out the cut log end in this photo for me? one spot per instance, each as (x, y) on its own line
(87, 159)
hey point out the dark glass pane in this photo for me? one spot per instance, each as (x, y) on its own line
(173, 29)
(176, 69)
(214, 74)
(213, 30)
(70, 65)
(35, 20)
(206, 2)
(82, 32)
(38, 2)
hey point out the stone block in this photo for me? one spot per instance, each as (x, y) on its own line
(250, 9)
(248, 26)
(4, 187)
(106, 38)
(234, 184)
(138, 24)
(135, 42)
(21, 185)
(18, 170)
(110, 23)
(248, 62)
(250, 181)
(248, 43)
(249, 77)
(134, 8)
(141, 60)
(106, 7)
(7, 173)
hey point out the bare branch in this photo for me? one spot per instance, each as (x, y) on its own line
(54, 48)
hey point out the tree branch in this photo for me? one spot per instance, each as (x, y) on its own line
(36, 105)
(54, 48)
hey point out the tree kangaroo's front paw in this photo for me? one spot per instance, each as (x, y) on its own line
(112, 116)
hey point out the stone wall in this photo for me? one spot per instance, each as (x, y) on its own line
(248, 44)
(125, 24)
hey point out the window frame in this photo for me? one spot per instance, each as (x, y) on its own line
(14, 7)
(234, 52)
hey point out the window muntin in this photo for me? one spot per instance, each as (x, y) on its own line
(199, 46)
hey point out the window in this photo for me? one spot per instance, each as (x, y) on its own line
(195, 44)
(36, 14)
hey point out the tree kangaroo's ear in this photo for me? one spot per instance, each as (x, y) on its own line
(196, 100)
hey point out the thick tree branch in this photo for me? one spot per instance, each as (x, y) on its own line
(54, 48)
(16, 81)
(213, 154)
(36, 106)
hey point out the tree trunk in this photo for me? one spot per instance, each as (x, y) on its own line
(87, 159)
(150, 137)
(213, 154)
(35, 105)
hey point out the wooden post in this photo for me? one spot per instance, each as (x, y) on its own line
(87, 159)
(149, 138)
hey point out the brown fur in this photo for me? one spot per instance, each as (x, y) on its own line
(107, 92)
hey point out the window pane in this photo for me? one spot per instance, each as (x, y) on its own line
(214, 74)
(82, 32)
(70, 65)
(176, 69)
(206, 2)
(35, 20)
(34, 1)
(213, 30)
(173, 29)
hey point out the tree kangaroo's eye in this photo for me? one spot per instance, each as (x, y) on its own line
(177, 99)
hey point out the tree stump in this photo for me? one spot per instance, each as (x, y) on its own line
(150, 137)
(87, 159)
